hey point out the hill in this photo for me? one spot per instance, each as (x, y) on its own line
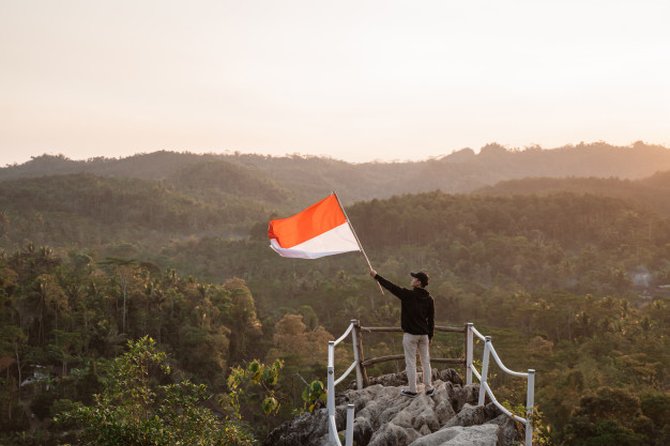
(554, 268)
(651, 192)
(88, 210)
(554, 276)
(302, 178)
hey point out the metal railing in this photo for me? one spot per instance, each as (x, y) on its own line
(359, 364)
(368, 362)
(332, 382)
(484, 387)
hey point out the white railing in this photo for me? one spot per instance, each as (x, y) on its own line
(332, 382)
(484, 387)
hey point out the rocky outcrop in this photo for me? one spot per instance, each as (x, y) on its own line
(384, 417)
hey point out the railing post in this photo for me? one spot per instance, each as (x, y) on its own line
(331, 353)
(349, 433)
(330, 395)
(355, 334)
(358, 341)
(469, 345)
(331, 391)
(530, 402)
(485, 371)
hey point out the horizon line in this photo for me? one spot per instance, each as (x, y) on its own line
(230, 152)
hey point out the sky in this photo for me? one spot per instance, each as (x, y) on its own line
(353, 80)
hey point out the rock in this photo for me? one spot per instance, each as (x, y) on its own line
(391, 379)
(508, 431)
(444, 411)
(393, 435)
(484, 435)
(426, 418)
(385, 417)
(424, 430)
(461, 396)
(362, 430)
(306, 429)
(472, 415)
(448, 375)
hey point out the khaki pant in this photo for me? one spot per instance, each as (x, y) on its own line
(410, 344)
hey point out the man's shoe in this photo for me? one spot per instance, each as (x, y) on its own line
(430, 392)
(409, 394)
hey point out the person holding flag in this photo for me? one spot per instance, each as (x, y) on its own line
(323, 229)
(417, 316)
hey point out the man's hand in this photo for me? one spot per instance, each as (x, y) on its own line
(373, 273)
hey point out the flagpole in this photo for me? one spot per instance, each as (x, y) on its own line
(357, 239)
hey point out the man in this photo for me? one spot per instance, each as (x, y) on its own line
(417, 321)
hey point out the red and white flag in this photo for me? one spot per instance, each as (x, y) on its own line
(318, 231)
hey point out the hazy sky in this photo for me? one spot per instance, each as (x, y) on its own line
(355, 80)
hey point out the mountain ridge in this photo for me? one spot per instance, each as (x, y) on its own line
(649, 192)
(308, 176)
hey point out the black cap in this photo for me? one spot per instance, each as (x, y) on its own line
(423, 277)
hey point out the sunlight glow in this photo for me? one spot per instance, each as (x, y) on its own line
(355, 80)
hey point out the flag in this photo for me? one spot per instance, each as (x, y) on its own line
(318, 231)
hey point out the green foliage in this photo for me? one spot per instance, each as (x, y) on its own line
(566, 283)
(61, 318)
(608, 416)
(542, 430)
(135, 409)
(222, 181)
(292, 339)
(88, 210)
(656, 407)
(314, 396)
(601, 433)
(243, 383)
(648, 192)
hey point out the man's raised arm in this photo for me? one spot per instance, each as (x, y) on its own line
(397, 291)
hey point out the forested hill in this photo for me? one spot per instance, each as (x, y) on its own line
(87, 210)
(572, 285)
(651, 192)
(300, 178)
(221, 199)
(569, 275)
(200, 223)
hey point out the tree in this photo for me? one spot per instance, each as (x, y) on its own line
(239, 311)
(257, 382)
(656, 406)
(293, 340)
(134, 409)
(606, 417)
(12, 345)
(65, 347)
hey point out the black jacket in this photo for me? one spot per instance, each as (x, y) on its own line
(417, 315)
